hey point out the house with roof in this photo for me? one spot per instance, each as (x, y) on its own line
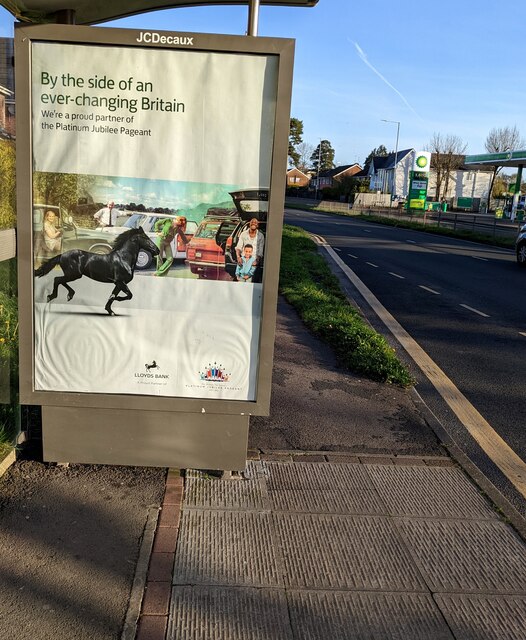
(390, 173)
(296, 178)
(326, 179)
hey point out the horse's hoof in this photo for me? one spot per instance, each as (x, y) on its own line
(70, 296)
(49, 298)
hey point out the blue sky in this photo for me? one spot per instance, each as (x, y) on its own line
(454, 67)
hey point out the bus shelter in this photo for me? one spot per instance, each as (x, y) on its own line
(169, 370)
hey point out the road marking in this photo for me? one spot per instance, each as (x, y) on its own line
(522, 333)
(411, 241)
(336, 249)
(489, 440)
(366, 230)
(371, 264)
(396, 275)
(351, 256)
(428, 289)
(479, 258)
(480, 313)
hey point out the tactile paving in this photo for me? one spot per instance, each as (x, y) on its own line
(442, 492)
(485, 617)
(344, 552)
(226, 547)
(211, 493)
(321, 488)
(208, 613)
(479, 556)
(337, 615)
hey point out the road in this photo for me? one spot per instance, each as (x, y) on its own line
(462, 302)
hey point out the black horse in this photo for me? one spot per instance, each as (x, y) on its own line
(117, 266)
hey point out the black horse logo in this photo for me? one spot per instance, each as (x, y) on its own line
(154, 365)
(118, 266)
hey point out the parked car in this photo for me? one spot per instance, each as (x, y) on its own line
(250, 203)
(204, 256)
(520, 246)
(147, 222)
(73, 236)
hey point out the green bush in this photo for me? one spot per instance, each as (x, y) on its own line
(309, 285)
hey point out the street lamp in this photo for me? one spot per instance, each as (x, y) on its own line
(396, 156)
(318, 173)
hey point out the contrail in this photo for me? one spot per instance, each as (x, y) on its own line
(363, 57)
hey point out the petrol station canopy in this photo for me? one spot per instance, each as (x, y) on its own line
(94, 11)
(488, 160)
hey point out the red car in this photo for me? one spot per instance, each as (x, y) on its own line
(204, 256)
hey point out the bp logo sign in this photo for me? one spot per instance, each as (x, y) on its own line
(422, 161)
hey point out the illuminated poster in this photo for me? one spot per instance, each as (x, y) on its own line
(151, 174)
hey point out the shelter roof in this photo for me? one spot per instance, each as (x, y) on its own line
(95, 11)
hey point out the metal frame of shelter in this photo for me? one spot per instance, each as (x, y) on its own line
(89, 12)
(146, 430)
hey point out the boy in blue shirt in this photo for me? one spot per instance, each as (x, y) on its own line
(245, 270)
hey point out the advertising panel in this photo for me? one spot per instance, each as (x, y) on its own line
(151, 176)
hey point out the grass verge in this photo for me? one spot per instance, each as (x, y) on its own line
(309, 285)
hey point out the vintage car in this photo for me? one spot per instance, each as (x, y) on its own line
(204, 256)
(73, 236)
(250, 203)
(147, 222)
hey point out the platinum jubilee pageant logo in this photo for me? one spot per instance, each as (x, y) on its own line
(151, 37)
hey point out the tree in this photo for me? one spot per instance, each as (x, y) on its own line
(305, 151)
(295, 138)
(323, 156)
(500, 140)
(381, 151)
(448, 153)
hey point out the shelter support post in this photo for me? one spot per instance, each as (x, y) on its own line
(253, 18)
(65, 16)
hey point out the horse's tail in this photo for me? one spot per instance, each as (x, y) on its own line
(47, 266)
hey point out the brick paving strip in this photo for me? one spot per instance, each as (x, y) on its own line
(154, 612)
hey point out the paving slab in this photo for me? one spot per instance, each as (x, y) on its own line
(474, 617)
(429, 491)
(322, 488)
(227, 548)
(344, 552)
(476, 556)
(206, 613)
(341, 615)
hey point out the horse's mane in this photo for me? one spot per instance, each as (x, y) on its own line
(123, 238)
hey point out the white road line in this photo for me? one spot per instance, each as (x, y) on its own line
(484, 315)
(511, 465)
(479, 258)
(411, 241)
(396, 275)
(371, 264)
(336, 249)
(351, 256)
(366, 230)
(428, 289)
(522, 333)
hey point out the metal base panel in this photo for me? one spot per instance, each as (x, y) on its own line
(144, 438)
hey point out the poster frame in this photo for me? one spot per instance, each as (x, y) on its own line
(283, 49)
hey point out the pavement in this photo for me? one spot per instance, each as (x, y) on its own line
(351, 520)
